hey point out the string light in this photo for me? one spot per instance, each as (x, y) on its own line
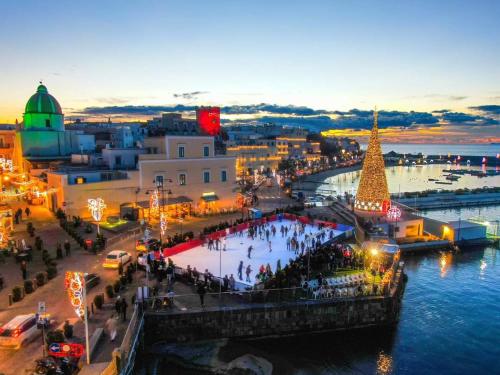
(154, 203)
(373, 193)
(75, 282)
(163, 223)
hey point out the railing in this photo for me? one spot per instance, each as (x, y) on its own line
(128, 348)
(171, 303)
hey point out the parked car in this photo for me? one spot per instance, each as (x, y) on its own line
(18, 331)
(115, 257)
(91, 280)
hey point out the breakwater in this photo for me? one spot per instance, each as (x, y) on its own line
(451, 200)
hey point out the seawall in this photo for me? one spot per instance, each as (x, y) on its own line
(275, 319)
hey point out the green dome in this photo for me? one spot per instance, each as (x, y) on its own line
(43, 102)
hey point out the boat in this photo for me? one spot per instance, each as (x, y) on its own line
(444, 183)
(432, 179)
(452, 177)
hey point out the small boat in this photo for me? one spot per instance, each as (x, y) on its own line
(443, 183)
(432, 179)
(452, 177)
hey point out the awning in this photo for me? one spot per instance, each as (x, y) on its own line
(210, 198)
(167, 202)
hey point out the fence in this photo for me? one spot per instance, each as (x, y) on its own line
(128, 348)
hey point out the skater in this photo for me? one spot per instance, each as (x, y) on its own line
(267, 234)
(288, 243)
(269, 244)
(240, 270)
(250, 248)
(217, 243)
(248, 272)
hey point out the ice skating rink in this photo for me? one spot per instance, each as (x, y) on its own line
(237, 248)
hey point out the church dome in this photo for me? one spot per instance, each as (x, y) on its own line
(43, 102)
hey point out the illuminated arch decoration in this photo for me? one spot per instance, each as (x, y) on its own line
(394, 213)
(163, 223)
(75, 285)
(96, 208)
(154, 203)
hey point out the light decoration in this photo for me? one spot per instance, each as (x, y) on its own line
(96, 207)
(154, 203)
(394, 213)
(373, 194)
(163, 223)
(75, 286)
(6, 164)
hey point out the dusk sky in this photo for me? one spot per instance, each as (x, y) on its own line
(325, 55)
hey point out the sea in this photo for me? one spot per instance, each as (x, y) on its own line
(488, 150)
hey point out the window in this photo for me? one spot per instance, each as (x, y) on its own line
(206, 151)
(182, 179)
(80, 180)
(47, 123)
(206, 177)
(159, 180)
(118, 160)
(180, 151)
(223, 176)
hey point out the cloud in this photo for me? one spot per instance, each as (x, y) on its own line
(441, 110)
(190, 95)
(491, 109)
(135, 110)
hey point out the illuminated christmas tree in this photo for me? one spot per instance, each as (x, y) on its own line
(373, 195)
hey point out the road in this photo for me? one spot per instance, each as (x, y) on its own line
(53, 293)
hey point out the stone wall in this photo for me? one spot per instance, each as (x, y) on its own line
(260, 320)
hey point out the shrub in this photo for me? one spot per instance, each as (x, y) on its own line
(17, 294)
(51, 272)
(40, 278)
(28, 286)
(116, 286)
(110, 291)
(68, 330)
(123, 280)
(54, 336)
(99, 301)
(60, 214)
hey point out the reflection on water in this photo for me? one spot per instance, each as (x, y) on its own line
(403, 179)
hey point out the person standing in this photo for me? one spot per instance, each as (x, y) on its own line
(232, 283)
(111, 325)
(225, 283)
(249, 252)
(27, 211)
(201, 292)
(24, 270)
(123, 308)
(67, 247)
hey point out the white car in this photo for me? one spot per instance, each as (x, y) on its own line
(114, 258)
(18, 331)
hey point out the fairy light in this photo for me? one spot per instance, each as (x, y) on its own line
(394, 213)
(96, 208)
(163, 223)
(75, 284)
(154, 203)
(373, 193)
